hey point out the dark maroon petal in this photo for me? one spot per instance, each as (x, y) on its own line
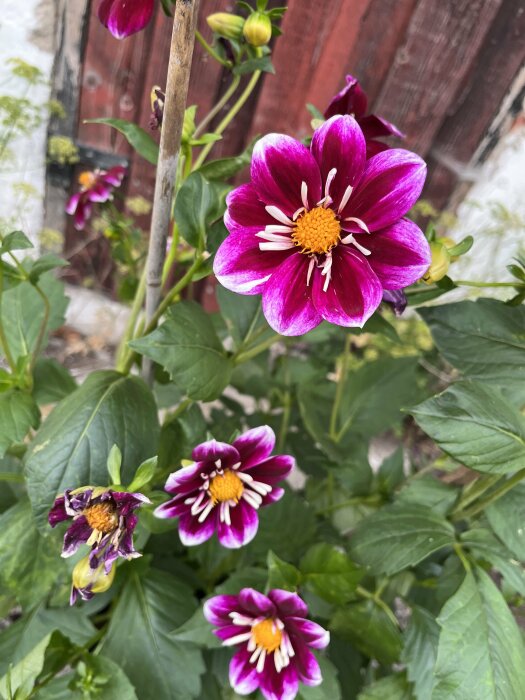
(255, 603)
(192, 532)
(77, 533)
(242, 267)
(287, 300)
(375, 127)
(217, 609)
(245, 211)
(77, 502)
(279, 165)
(339, 143)
(273, 470)
(211, 451)
(128, 502)
(184, 480)
(230, 630)
(243, 528)
(244, 678)
(390, 186)
(374, 147)
(396, 298)
(307, 666)
(123, 17)
(309, 632)
(350, 100)
(58, 514)
(100, 192)
(126, 548)
(279, 686)
(400, 254)
(354, 292)
(288, 603)
(255, 445)
(173, 508)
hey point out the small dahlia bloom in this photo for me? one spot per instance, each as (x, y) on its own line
(125, 17)
(225, 487)
(101, 518)
(95, 186)
(352, 100)
(319, 231)
(273, 640)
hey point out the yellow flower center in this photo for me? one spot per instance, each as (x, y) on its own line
(102, 517)
(87, 179)
(317, 231)
(267, 635)
(226, 487)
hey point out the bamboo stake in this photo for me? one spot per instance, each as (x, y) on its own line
(181, 52)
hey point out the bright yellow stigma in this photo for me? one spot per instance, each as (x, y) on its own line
(102, 517)
(267, 635)
(317, 231)
(87, 179)
(226, 487)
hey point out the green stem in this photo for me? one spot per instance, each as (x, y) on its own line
(256, 350)
(475, 490)
(3, 338)
(43, 326)
(373, 500)
(461, 554)
(285, 419)
(340, 390)
(202, 41)
(467, 283)
(495, 495)
(229, 116)
(136, 308)
(180, 409)
(379, 602)
(172, 254)
(217, 108)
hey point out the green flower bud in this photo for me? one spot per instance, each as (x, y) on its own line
(93, 580)
(449, 243)
(440, 263)
(258, 29)
(226, 25)
(188, 127)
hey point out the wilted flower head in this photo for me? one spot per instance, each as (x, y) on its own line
(87, 581)
(158, 98)
(96, 186)
(352, 100)
(395, 298)
(224, 487)
(319, 232)
(123, 17)
(273, 638)
(103, 519)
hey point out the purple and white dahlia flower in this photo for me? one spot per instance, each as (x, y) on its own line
(125, 17)
(95, 187)
(319, 231)
(224, 488)
(273, 640)
(101, 518)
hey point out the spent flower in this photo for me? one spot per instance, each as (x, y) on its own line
(95, 187)
(273, 638)
(224, 488)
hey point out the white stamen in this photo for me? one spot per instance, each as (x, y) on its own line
(196, 507)
(255, 655)
(251, 644)
(350, 239)
(276, 213)
(251, 501)
(243, 476)
(236, 465)
(190, 500)
(288, 644)
(205, 512)
(311, 266)
(329, 180)
(232, 641)
(359, 222)
(297, 212)
(261, 488)
(277, 228)
(261, 660)
(327, 270)
(345, 198)
(324, 202)
(284, 245)
(256, 497)
(239, 619)
(304, 194)
(218, 463)
(268, 236)
(277, 660)
(227, 518)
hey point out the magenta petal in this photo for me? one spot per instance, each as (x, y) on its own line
(279, 165)
(244, 678)
(123, 17)
(242, 267)
(375, 127)
(77, 533)
(217, 609)
(243, 528)
(103, 11)
(58, 514)
(279, 686)
(350, 100)
(400, 254)
(72, 203)
(192, 532)
(391, 185)
(115, 175)
(184, 479)
(245, 211)
(307, 666)
(273, 470)
(287, 301)
(288, 603)
(354, 292)
(255, 603)
(174, 508)
(339, 143)
(255, 445)
(310, 632)
(212, 450)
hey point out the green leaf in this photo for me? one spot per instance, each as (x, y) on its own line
(281, 574)
(329, 573)
(484, 545)
(480, 652)
(21, 678)
(391, 473)
(225, 168)
(114, 462)
(430, 492)
(22, 313)
(507, 518)
(243, 316)
(197, 205)
(264, 63)
(29, 569)
(474, 424)
(144, 474)
(420, 651)
(329, 688)
(399, 536)
(484, 340)
(51, 381)
(197, 630)
(72, 447)
(390, 688)
(139, 638)
(370, 629)
(44, 264)
(462, 247)
(139, 139)
(18, 413)
(187, 346)
(16, 240)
